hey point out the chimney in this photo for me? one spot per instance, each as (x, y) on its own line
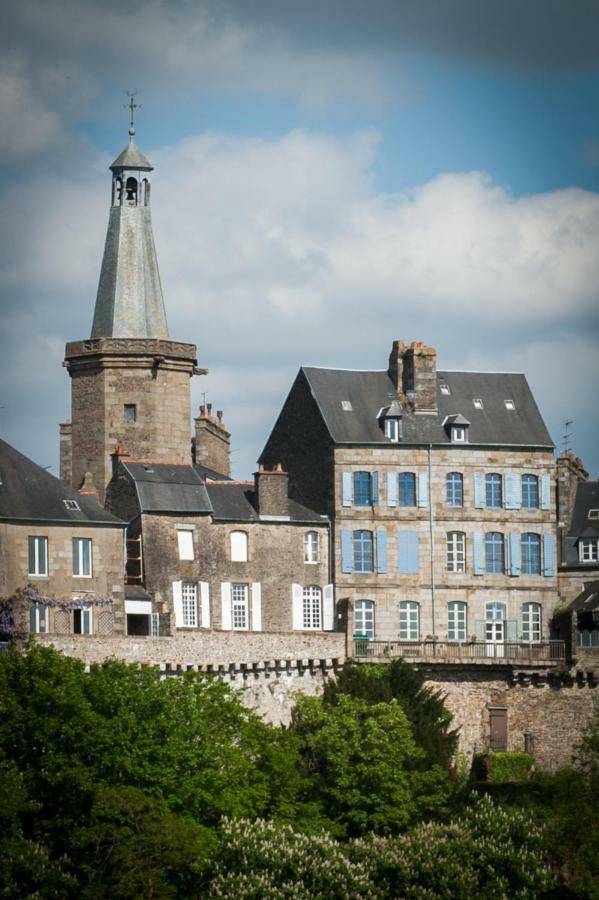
(119, 451)
(413, 371)
(272, 491)
(570, 473)
(212, 442)
(66, 452)
(88, 486)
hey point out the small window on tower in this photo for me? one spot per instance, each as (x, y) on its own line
(130, 412)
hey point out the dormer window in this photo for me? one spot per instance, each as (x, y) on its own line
(444, 388)
(593, 513)
(457, 428)
(392, 430)
(458, 434)
(478, 403)
(390, 419)
(509, 404)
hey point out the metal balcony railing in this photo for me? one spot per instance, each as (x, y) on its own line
(506, 651)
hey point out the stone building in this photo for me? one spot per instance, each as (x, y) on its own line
(61, 545)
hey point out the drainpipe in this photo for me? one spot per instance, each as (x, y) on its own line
(430, 528)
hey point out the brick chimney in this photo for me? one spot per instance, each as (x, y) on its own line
(570, 473)
(413, 371)
(272, 491)
(212, 442)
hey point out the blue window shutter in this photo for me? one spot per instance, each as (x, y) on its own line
(381, 550)
(479, 490)
(478, 553)
(545, 492)
(407, 551)
(515, 560)
(391, 488)
(347, 485)
(513, 492)
(548, 554)
(347, 556)
(423, 489)
(374, 487)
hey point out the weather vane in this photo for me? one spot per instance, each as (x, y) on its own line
(132, 106)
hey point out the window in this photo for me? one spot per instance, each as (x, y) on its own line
(189, 596)
(38, 623)
(71, 504)
(494, 553)
(239, 606)
(593, 514)
(154, 624)
(455, 489)
(407, 489)
(38, 555)
(185, 541)
(82, 557)
(363, 551)
(456, 621)
(239, 546)
(588, 550)
(495, 612)
(130, 413)
(588, 638)
(82, 620)
(493, 491)
(458, 434)
(392, 430)
(409, 625)
(311, 547)
(364, 619)
(456, 551)
(346, 405)
(478, 403)
(531, 622)
(530, 492)
(311, 607)
(362, 489)
(509, 404)
(445, 389)
(531, 553)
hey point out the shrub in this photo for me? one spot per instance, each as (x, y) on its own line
(500, 767)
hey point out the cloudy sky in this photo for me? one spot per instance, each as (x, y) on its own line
(330, 175)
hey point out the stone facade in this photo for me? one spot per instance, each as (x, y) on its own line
(212, 441)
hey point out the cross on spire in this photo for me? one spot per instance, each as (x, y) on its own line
(132, 106)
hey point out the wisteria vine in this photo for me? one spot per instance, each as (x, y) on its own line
(32, 595)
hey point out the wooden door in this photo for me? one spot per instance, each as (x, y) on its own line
(498, 721)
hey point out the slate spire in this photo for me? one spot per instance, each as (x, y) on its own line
(129, 302)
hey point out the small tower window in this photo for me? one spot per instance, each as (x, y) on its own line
(131, 190)
(130, 412)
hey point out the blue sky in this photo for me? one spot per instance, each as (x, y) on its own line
(328, 177)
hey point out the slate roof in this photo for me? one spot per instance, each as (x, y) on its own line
(210, 474)
(236, 502)
(29, 493)
(370, 391)
(165, 487)
(587, 600)
(587, 497)
(132, 158)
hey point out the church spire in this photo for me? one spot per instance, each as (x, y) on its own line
(129, 302)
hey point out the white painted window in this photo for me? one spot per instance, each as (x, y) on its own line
(531, 622)
(239, 546)
(392, 429)
(38, 555)
(38, 621)
(364, 619)
(445, 389)
(409, 620)
(83, 620)
(456, 621)
(311, 547)
(185, 542)
(189, 597)
(154, 625)
(588, 550)
(456, 551)
(239, 606)
(82, 558)
(312, 607)
(458, 434)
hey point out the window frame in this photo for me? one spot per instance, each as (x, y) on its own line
(311, 548)
(531, 622)
(459, 434)
(492, 540)
(530, 498)
(39, 613)
(406, 493)
(184, 535)
(363, 612)
(392, 429)
(529, 565)
(240, 603)
(592, 546)
(34, 541)
(493, 490)
(79, 557)
(129, 413)
(189, 605)
(409, 613)
(456, 554)
(239, 553)
(454, 485)
(457, 621)
(362, 487)
(312, 608)
(86, 620)
(363, 550)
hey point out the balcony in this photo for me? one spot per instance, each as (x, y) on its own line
(480, 652)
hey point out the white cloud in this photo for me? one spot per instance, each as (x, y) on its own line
(279, 252)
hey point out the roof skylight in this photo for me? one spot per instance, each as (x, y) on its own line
(478, 403)
(71, 504)
(346, 405)
(509, 404)
(445, 389)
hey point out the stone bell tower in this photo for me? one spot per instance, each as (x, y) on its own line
(130, 382)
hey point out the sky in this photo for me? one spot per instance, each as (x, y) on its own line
(329, 176)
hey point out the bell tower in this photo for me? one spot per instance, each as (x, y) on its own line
(130, 383)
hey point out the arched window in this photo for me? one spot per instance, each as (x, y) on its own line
(530, 492)
(312, 607)
(456, 621)
(456, 551)
(409, 620)
(493, 490)
(455, 489)
(364, 619)
(494, 553)
(363, 551)
(531, 622)
(362, 489)
(311, 547)
(531, 553)
(239, 546)
(407, 489)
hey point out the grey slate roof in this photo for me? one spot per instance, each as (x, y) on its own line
(587, 497)
(163, 487)
(29, 493)
(237, 502)
(588, 600)
(132, 158)
(370, 391)
(210, 474)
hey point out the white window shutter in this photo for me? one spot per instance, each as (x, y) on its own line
(391, 488)
(423, 489)
(297, 606)
(513, 491)
(347, 488)
(205, 604)
(256, 606)
(225, 606)
(545, 492)
(328, 608)
(479, 490)
(178, 603)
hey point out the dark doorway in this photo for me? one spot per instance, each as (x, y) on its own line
(498, 722)
(138, 625)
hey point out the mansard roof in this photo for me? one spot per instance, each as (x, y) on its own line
(368, 391)
(28, 493)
